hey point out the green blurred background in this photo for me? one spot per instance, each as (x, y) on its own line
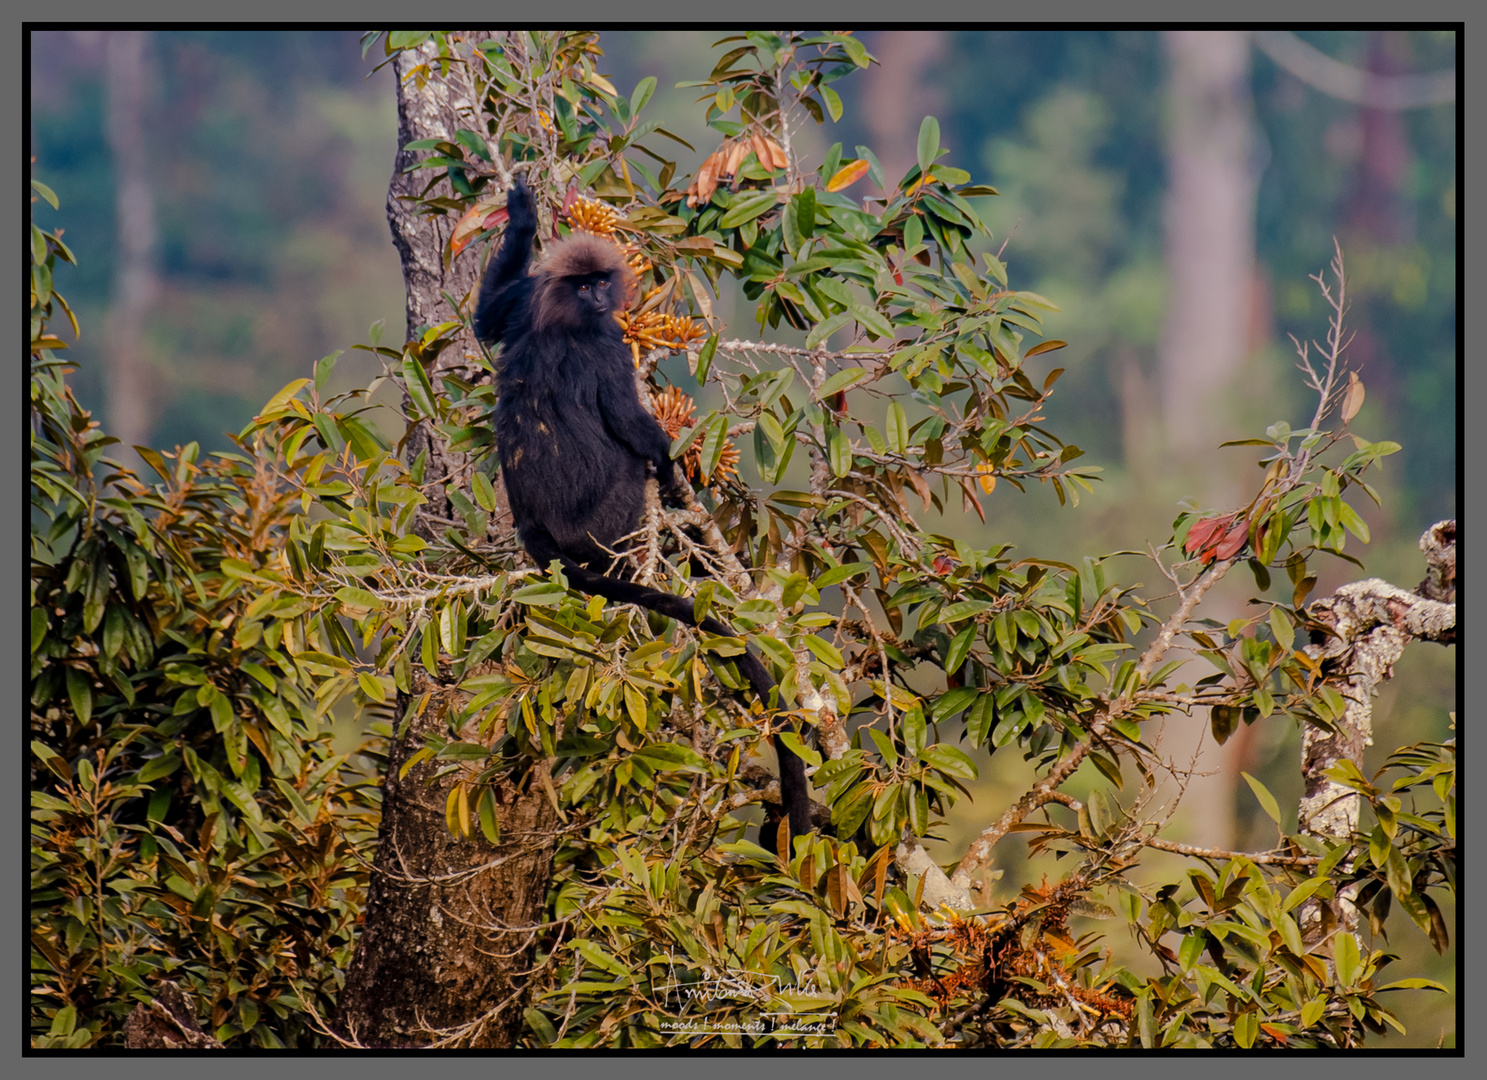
(224, 193)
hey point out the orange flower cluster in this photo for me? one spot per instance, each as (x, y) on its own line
(636, 260)
(674, 411)
(596, 217)
(593, 217)
(655, 330)
(725, 160)
(1033, 945)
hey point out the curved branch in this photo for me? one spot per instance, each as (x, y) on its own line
(1360, 86)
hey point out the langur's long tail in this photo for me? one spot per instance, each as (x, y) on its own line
(792, 769)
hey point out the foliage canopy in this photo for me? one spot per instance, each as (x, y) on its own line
(193, 638)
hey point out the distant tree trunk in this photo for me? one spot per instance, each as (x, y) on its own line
(1379, 214)
(897, 95)
(1210, 232)
(1210, 252)
(449, 929)
(1379, 203)
(132, 387)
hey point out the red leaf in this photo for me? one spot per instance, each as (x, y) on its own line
(1202, 531)
(475, 220)
(1233, 540)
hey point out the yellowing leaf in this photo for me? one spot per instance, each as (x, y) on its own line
(775, 153)
(599, 82)
(987, 479)
(927, 178)
(847, 175)
(1352, 397)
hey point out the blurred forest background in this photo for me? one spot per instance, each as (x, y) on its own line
(224, 193)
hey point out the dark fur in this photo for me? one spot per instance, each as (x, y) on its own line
(575, 444)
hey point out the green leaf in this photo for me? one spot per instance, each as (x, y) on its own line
(713, 441)
(1412, 984)
(962, 609)
(1351, 521)
(839, 451)
(1396, 872)
(1302, 892)
(747, 849)
(80, 693)
(833, 104)
(63, 1021)
(1280, 626)
(824, 329)
(50, 196)
(747, 209)
(950, 760)
(897, 428)
(95, 592)
(843, 379)
(959, 647)
(158, 767)
(929, 143)
(705, 358)
(980, 717)
(543, 594)
(356, 597)
(952, 702)
(38, 627)
(871, 320)
(671, 757)
(220, 707)
(643, 91)
(1267, 800)
(407, 39)
(420, 391)
(913, 729)
(1190, 949)
(260, 674)
(1345, 956)
(825, 651)
(485, 494)
(840, 573)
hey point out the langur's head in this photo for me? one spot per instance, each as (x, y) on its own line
(581, 283)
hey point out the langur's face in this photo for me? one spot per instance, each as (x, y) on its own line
(594, 296)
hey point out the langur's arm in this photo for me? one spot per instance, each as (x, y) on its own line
(505, 288)
(630, 424)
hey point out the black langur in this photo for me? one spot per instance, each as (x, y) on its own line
(575, 444)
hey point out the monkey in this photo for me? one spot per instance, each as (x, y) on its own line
(575, 445)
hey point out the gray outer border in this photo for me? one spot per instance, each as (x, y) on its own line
(1157, 13)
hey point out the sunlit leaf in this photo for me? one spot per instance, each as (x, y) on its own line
(848, 175)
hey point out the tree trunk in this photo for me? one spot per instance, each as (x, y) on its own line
(1210, 254)
(131, 386)
(898, 95)
(450, 922)
(1210, 233)
(1368, 624)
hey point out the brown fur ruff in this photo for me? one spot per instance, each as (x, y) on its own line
(575, 256)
